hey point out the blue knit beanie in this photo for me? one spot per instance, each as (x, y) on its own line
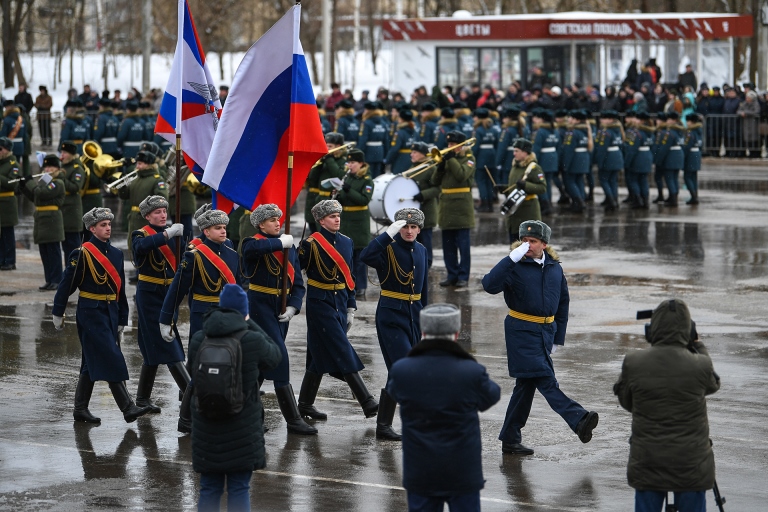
(233, 297)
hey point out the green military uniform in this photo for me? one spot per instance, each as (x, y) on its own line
(9, 207)
(355, 217)
(246, 229)
(188, 202)
(91, 193)
(48, 200)
(328, 167)
(233, 228)
(72, 209)
(147, 183)
(534, 185)
(431, 193)
(457, 208)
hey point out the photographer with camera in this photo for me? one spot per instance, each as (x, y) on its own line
(664, 389)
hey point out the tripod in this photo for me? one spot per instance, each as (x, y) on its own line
(719, 500)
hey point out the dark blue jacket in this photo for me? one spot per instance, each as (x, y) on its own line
(487, 138)
(348, 126)
(575, 154)
(440, 389)
(608, 144)
(638, 151)
(427, 129)
(9, 122)
(76, 129)
(692, 148)
(531, 289)
(545, 145)
(669, 151)
(97, 320)
(397, 320)
(130, 135)
(399, 155)
(504, 155)
(466, 124)
(105, 132)
(444, 126)
(374, 139)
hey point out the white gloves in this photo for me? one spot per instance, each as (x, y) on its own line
(518, 253)
(287, 241)
(58, 322)
(395, 228)
(174, 230)
(554, 349)
(290, 312)
(166, 332)
(351, 315)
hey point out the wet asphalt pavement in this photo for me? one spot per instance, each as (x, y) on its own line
(714, 256)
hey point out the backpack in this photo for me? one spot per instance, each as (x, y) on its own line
(218, 378)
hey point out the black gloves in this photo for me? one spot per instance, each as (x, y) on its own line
(520, 185)
(500, 188)
(346, 186)
(449, 155)
(419, 197)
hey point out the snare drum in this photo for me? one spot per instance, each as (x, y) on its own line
(512, 202)
(391, 192)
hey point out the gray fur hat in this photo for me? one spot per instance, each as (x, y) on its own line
(151, 204)
(97, 215)
(535, 229)
(410, 216)
(212, 218)
(206, 207)
(325, 208)
(264, 212)
(440, 319)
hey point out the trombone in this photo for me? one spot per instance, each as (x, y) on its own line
(435, 157)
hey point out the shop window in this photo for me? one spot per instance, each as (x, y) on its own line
(489, 66)
(587, 61)
(469, 66)
(510, 66)
(448, 66)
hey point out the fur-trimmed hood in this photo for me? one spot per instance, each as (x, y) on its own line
(485, 123)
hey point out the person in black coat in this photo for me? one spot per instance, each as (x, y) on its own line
(231, 448)
(440, 389)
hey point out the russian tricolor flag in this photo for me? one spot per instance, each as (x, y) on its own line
(270, 113)
(191, 105)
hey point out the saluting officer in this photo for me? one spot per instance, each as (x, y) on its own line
(545, 144)
(427, 196)
(399, 156)
(131, 132)
(147, 182)
(577, 146)
(526, 175)
(692, 150)
(331, 165)
(264, 265)
(106, 128)
(374, 136)
(72, 209)
(9, 206)
(326, 257)
(608, 156)
(154, 258)
(486, 135)
(401, 264)
(96, 269)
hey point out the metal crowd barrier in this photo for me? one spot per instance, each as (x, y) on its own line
(733, 135)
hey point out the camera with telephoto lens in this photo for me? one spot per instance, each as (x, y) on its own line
(648, 313)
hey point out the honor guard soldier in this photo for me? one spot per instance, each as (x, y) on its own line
(75, 128)
(658, 174)
(147, 182)
(331, 165)
(326, 257)
(446, 125)
(9, 206)
(264, 264)
(429, 115)
(526, 175)
(455, 175)
(354, 196)
(512, 128)
(199, 217)
(486, 135)
(401, 264)
(545, 145)
(131, 133)
(608, 156)
(72, 209)
(692, 149)
(106, 128)
(346, 124)
(536, 292)
(638, 158)
(577, 147)
(154, 257)
(96, 269)
(48, 194)
(399, 156)
(374, 137)
(669, 155)
(14, 128)
(427, 196)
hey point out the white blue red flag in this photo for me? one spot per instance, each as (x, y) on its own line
(191, 105)
(270, 112)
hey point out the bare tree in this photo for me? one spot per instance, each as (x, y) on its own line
(14, 14)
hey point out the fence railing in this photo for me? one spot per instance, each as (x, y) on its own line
(734, 135)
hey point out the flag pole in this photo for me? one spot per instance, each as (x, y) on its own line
(287, 224)
(180, 42)
(178, 194)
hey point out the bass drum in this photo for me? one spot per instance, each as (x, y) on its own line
(391, 192)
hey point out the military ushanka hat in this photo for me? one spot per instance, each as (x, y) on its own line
(440, 319)
(334, 138)
(535, 229)
(51, 160)
(455, 137)
(97, 215)
(264, 212)
(69, 146)
(146, 157)
(356, 155)
(410, 216)
(206, 207)
(421, 147)
(212, 218)
(151, 204)
(325, 208)
(523, 145)
(6, 143)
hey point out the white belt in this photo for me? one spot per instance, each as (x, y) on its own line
(373, 143)
(548, 150)
(18, 139)
(486, 146)
(581, 150)
(643, 148)
(132, 143)
(613, 148)
(694, 150)
(110, 139)
(676, 148)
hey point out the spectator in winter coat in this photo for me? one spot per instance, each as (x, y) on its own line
(688, 78)
(633, 76)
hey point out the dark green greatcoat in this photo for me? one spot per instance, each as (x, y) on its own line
(356, 223)
(456, 209)
(72, 210)
(329, 167)
(148, 183)
(534, 184)
(49, 225)
(9, 207)
(246, 229)
(431, 193)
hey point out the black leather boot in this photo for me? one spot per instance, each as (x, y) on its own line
(646, 201)
(124, 401)
(144, 389)
(180, 375)
(185, 413)
(659, 198)
(384, 420)
(546, 207)
(290, 410)
(694, 198)
(671, 201)
(307, 395)
(366, 400)
(83, 394)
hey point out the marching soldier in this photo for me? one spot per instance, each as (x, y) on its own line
(577, 146)
(374, 137)
(692, 149)
(512, 127)
(131, 133)
(427, 196)
(326, 256)
(102, 313)
(72, 210)
(447, 124)
(106, 128)
(545, 144)
(9, 206)
(354, 196)
(14, 128)
(331, 165)
(154, 258)
(264, 265)
(526, 175)
(638, 158)
(486, 135)
(429, 118)
(560, 128)
(147, 182)
(75, 127)
(669, 155)
(401, 264)
(346, 124)
(399, 156)
(658, 173)
(608, 156)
